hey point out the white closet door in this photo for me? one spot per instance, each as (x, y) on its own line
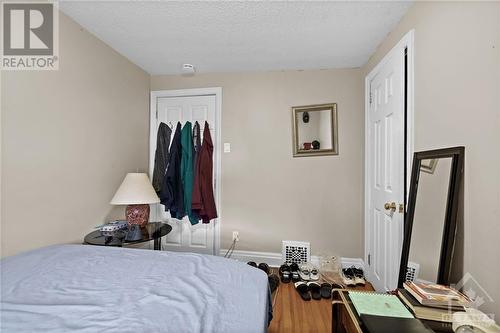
(184, 236)
(386, 173)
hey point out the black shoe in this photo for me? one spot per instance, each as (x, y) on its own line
(285, 273)
(263, 266)
(274, 282)
(294, 269)
(252, 263)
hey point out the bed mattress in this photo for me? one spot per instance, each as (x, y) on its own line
(84, 288)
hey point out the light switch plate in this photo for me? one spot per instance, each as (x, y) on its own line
(227, 147)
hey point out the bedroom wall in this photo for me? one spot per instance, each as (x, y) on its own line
(68, 139)
(269, 196)
(457, 102)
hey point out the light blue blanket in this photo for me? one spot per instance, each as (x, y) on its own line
(85, 288)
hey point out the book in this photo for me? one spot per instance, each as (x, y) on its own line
(436, 294)
(381, 324)
(370, 303)
(426, 312)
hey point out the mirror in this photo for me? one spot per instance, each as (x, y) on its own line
(429, 218)
(315, 130)
(430, 221)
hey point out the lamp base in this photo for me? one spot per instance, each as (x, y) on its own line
(137, 214)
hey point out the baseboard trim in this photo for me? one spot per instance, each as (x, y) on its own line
(274, 259)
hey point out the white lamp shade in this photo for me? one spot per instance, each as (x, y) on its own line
(136, 189)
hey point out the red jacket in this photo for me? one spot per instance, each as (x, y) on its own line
(203, 203)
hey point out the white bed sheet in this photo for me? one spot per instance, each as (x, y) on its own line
(85, 288)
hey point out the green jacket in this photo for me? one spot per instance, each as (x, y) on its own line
(187, 173)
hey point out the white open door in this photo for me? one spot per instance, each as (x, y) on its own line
(385, 170)
(188, 105)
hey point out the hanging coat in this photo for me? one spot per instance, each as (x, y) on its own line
(187, 175)
(196, 143)
(203, 203)
(196, 149)
(172, 195)
(161, 156)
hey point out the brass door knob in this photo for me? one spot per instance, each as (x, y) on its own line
(390, 206)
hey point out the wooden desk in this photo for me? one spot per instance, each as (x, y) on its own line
(346, 319)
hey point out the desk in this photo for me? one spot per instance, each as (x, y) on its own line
(345, 319)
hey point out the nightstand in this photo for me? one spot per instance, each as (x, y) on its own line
(153, 231)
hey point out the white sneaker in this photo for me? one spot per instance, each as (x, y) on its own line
(359, 276)
(348, 277)
(314, 274)
(304, 272)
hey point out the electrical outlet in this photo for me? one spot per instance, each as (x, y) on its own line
(236, 236)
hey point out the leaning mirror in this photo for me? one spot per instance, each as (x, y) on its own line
(315, 130)
(430, 221)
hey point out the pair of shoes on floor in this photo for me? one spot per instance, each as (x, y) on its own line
(273, 279)
(314, 290)
(295, 273)
(289, 273)
(353, 276)
(262, 266)
(308, 272)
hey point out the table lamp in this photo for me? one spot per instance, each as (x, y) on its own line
(137, 193)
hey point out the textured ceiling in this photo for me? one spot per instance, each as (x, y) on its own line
(160, 36)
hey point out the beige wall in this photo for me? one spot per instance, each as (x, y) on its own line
(269, 196)
(457, 102)
(68, 139)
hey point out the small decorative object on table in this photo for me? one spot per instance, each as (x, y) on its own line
(110, 228)
(137, 193)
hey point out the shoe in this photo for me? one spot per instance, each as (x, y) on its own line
(359, 276)
(315, 290)
(252, 263)
(294, 269)
(285, 274)
(274, 282)
(304, 272)
(348, 277)
(326, 290)
(303, 290)
(265, 267)
(314, 275)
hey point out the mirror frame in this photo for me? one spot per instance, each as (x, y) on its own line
(332, 107)
(457, 154)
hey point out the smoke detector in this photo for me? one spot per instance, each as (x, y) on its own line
(188, 69)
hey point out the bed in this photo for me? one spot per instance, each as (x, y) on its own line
(93, 289)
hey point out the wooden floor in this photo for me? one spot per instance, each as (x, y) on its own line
(292, 314)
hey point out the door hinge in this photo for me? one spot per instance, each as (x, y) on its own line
(369, 259)
(370, 97)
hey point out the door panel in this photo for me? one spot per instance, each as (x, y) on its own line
(184, 236)
(386, 170)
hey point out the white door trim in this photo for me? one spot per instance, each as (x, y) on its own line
(406, 42)
(213, 91)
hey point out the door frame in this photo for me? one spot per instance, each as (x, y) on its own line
(407, 42)
(211, 91)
